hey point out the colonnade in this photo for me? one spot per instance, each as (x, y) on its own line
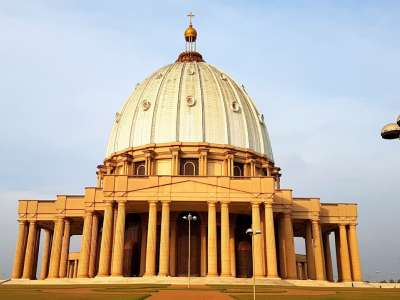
(105, 256)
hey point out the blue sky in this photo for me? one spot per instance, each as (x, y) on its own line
(324, 73)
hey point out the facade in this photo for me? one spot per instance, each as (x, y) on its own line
(188, 139)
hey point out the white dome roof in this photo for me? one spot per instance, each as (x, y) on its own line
(189, 102)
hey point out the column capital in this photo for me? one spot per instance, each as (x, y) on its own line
(152, 202)
(268, 200)
(314, 220)
(122, 202)
(22, 222)
(59, 218)
(109, 202)
(225, 202)
(166, 202)
(211, 203)
(255, 203)
(87, 213)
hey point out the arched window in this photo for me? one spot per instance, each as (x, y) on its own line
(189, 167)
(140, 168)
(238, 169)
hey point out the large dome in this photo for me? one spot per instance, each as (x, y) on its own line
(189, 101)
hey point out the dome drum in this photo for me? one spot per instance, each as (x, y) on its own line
(164, 160)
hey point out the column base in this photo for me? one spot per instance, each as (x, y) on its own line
(273, 277)
(212, 275)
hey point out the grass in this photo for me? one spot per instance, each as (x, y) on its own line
(308, 293)
(142, 291)
(78, 292)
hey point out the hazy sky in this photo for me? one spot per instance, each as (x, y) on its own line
(324, 73)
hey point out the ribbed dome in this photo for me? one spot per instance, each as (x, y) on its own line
(189, 102)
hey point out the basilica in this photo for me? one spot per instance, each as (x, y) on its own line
(188, 187)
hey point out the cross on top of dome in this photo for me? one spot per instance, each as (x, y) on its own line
(190, 34)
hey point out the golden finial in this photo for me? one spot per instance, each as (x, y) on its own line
(190, 32)
(190, 53)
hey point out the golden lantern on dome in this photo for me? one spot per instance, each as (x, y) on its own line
(190, 53)
(391, 131)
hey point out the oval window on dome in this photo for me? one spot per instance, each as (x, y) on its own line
(190, 101)
(261, 118)
(146, 104)
(191, 71)
(223, 76)
(235, 106)
(117, 117)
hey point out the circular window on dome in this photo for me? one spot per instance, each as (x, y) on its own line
(235, 106)
(117, 117)
(190, 101)
(191, 71)
(146, 104)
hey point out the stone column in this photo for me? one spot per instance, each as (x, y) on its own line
(310, 251)
(232, 248)
(299, 271)
(30, 251)
(225, 254)
(65, 249)
(328, 257)
(44, 269)
(119, 241)
(76, 268)
(338, 262)
(304, 269)
(257, 251)
(319, 267)
(106, 238)
(354, 253)
(164, 240)
(344, 253)
(36, 253)
(93, 245)
(20, 250)
(212, 240)
(151, 240)
(289, 242)
(143, 242)
(282, 248)
(83, 269)
(172, 251)
(56, 248)
(270, 245)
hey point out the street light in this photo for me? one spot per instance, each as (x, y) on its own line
(391, 131)
(252, 233)
(189, 217)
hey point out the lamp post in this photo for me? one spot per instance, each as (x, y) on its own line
(391, 131)
(252, 233)
(189, 217)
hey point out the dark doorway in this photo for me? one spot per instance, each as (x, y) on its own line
(182, 246)
(244, 260)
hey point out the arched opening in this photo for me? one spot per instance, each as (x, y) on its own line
(244, 260)
(189, 167)
(238, 169)
(140, 168)
(131, 264)
(182, 246)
